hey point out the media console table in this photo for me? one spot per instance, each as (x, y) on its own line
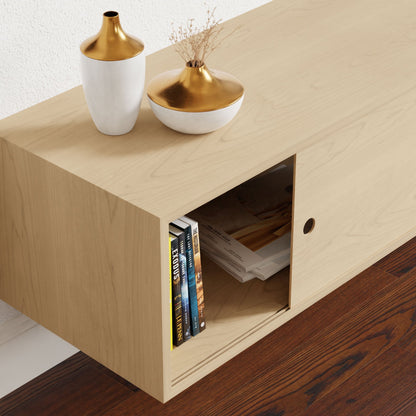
(84, 217)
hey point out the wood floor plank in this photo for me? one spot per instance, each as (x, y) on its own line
(267, 353)
(85, 391)
(400, 261)
(386, 387)
(329, 359)
(408, 343)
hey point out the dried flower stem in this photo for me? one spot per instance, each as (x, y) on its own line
(194, 43)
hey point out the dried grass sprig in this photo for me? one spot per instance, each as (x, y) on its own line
(195, 43)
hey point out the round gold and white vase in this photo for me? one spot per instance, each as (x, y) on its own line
(113, 74)
(195, 100)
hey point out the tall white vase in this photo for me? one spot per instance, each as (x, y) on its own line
(113, 74)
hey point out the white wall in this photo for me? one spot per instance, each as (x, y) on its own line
(39, 39)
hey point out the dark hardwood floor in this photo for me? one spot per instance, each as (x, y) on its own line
(353, 353)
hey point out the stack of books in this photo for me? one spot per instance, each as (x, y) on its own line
(246, 231)
(187, 293)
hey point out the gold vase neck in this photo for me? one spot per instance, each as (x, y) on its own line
(195, 78)
(111, 43)
(195, 89)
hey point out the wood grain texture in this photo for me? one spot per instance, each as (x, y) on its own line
(69, 260)
(400, 261)
(359, 184)
(386, 387)
(306, 66)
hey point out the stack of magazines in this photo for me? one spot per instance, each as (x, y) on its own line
(246, 231)
(187, 293)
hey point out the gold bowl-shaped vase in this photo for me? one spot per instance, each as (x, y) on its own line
(195, 100)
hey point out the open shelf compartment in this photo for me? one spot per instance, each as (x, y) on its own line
(233, 311)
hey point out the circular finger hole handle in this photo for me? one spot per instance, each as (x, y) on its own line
(309, 226)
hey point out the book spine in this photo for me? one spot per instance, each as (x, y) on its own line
(176, 295)
(198, 276)
(170, 293)
(193, 297)
(183, 269)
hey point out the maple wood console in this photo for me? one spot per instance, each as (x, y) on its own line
(84, 217)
